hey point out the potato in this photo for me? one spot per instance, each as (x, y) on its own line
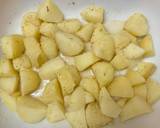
(121, 102)
(89, 98)
(93, 14)
(141, 90)
(91, 86)
(133, 51)
(137, 25)
(49, 12)
(69, 44)
(12, 46)
(77, 119)
(48, 70)
(55, 112)
(69, 25)
(121, 87)
(107, 105)
(135, 77)
(22, 62)
(85, 32)
(135, 107)
(95, 118)
(69, 78)
(104, 73)
(85, 60)
(68, 59)
(87, 73)
(48, 29)
(31, 110)
(153, 91)
(49, 47)
(30, 81)
(67, 103)
(146, 69)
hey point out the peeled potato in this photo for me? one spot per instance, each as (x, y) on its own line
(89, 98)
(141, 90)
(121, 102)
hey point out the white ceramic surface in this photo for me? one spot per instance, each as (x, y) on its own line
(11, 12)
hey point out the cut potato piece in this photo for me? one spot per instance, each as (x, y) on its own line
(77, 119)
(69, 25)
(104, 73)
(146, 69)
(30, 81)
(108, 105)
(49, 47)
(137, 25)
(30, 109)
(49, 12)
(89, 98)
(93, 14)
(85, 60)
(141, 90)
(133, 51)
(87, 73)
(49, 69)
(85, 32)
(135, 77)
(94, 116)
(121, 102)
(121, 87)
(135, 107)
(153, 91)
(69, 44)
(55, 112)
(12, 46)
(22, 62)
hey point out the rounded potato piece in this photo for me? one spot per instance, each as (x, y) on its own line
(69, 44)
(31, 110)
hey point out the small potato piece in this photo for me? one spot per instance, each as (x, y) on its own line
(49, 47)
(30, 81)
(95, 118)
(89, 98)
(107, 105)
(69, 25)
(93, 14)
(49, 12)
(135, 107)
(12, 46)
(49, 69)
(146, 69)
(121, 87)
(69, 44)
(104, 73)
(87, 73)
(121, 102)
(85, 60)
(141, 90)
(137, 25)
(30, 109)
(22, 62)
(133, 51)
(135, 77)
(85, 32)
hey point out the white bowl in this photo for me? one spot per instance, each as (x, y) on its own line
(11, 12)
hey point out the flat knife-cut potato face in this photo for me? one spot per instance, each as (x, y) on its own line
(141, 90)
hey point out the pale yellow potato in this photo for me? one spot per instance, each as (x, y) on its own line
(69, 25)
(30, 109)
(104, 73)
(85, 60)
(95, 118)
(135, 107)
(77, 119)
(87, 73)
(146, 69)
(67, 103)
(137, 25)
(21, 62)
(55, 112)
(93, 14)
(141, 90)
(29, 81)
(89, 98)
(69, 44)
(107, 105)
(12, 46)
(122, 101)
(49, 69)
(85, 32)
(135, 77)
(49, 12)
(49, 47)
(121, 87)
(48, 29)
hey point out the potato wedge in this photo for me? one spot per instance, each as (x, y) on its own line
(121, 102)
(141, 90)
(89, 98)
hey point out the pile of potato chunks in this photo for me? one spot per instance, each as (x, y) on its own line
(96, 71)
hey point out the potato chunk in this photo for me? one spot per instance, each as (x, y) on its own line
(89, 98)
(121, 102)
(141, 90)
